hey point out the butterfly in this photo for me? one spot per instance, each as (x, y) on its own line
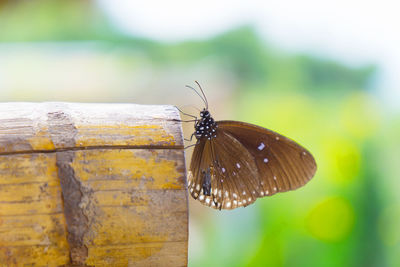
(234, 163)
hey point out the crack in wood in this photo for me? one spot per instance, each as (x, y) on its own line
(75, 198)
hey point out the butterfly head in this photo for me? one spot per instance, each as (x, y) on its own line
(206, 127)
(205, 114)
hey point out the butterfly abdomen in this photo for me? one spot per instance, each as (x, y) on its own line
(207, 182)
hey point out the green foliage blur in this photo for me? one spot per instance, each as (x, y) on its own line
(347, 215)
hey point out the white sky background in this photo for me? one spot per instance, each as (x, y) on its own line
(353, 31)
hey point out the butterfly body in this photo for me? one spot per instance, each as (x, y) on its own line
(234, 163)
(206, 127)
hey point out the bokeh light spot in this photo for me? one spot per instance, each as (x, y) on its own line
(331, 220)
(361, 115)
(343, 158)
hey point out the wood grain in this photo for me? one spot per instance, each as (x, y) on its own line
(92, 185)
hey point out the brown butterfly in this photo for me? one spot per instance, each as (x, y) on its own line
(234, 163)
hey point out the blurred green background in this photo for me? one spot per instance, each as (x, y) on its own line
(348, 215)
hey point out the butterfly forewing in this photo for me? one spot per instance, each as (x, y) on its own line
(234, 175)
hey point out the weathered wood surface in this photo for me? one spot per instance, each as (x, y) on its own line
(92, 185)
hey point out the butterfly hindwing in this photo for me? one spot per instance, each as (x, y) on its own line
(282, 163)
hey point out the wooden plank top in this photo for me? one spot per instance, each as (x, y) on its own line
(51, 126)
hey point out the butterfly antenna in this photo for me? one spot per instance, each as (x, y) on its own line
(206, 101)
(198, 95)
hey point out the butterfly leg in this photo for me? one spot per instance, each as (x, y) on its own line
(188, 121)
(186, 114)
(191, 137)
(191, 145)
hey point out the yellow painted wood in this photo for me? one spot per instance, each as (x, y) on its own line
(127, 164)
(32, 224)
(89, 135)
(139, 196)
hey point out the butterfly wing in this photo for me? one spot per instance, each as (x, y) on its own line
(245, 162)
(282, 164)
(233, 173)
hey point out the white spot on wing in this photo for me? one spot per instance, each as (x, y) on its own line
(249, 199)
(244, 193)
(261, 146)
(234, 195)
(228, 204)
(201, 197)
(265, 160)
(277, 138)
(238, 165)
(226, 193)
(262, 193)
(244, 201)
(198, 187)
(191, 190)
(274, 188)
(208, 200)
(223, 170)
(275, 178)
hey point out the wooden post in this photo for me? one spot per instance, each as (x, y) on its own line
(92, 185)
